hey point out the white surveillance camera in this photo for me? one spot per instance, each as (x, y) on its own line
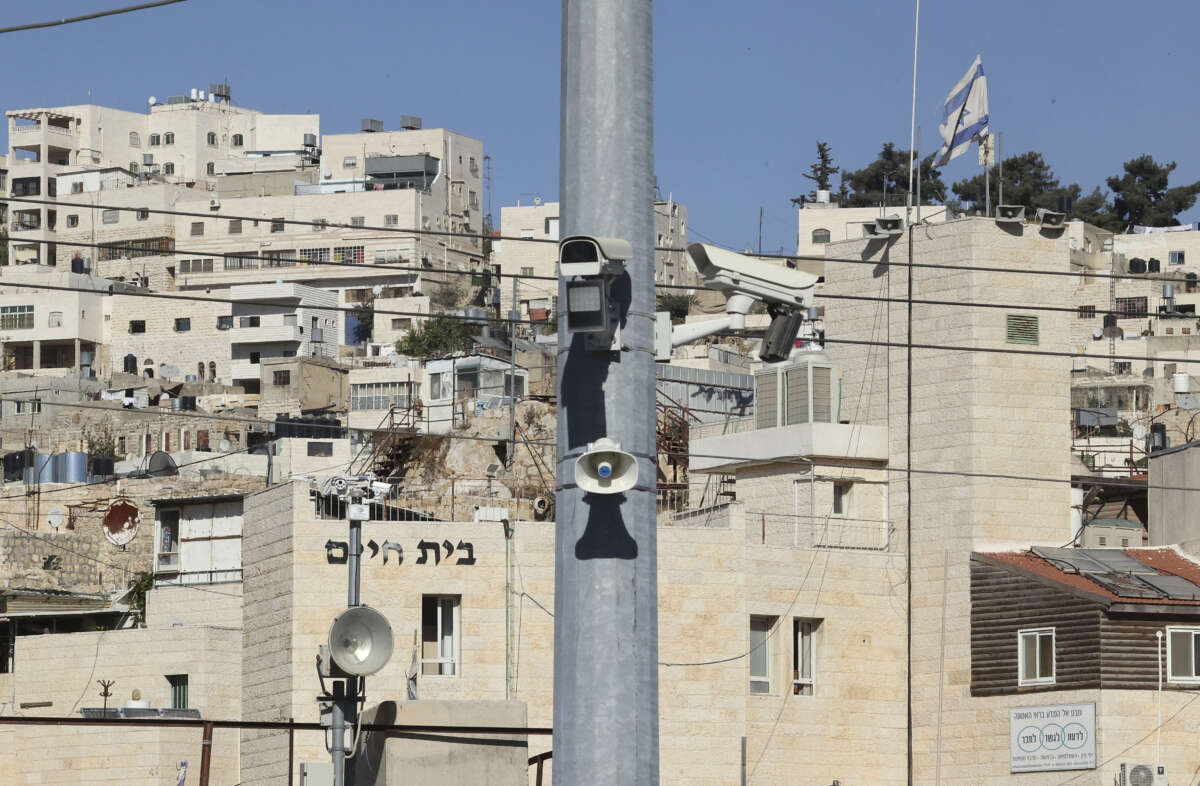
(584, 255)
(380, 489)
(745, 279)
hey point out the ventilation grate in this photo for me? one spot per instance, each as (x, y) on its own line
(1021, 329)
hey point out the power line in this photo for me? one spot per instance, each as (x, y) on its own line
(88, 17)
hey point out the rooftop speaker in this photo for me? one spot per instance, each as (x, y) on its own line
(1049, 218)
(360, 641)
(889, 226)
(605, 468)
(1010, 214)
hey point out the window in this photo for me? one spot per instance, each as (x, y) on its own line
(169, 138)
(1035, 656)
(34, 406)
(282, 378)
(319, 449)
(319, 224)
(183, 324)
(351, 254)
(155, 140)
(235, 226)
(358, 221)
(253, 321)
(440, 634)
(212, 138)
(72, 220)
(197, 228)
(277, 224)
(169, 168)
(391, 220)
(760, 654)
(841, 498)
(314, 254)
(803, 674)
(236, 141)
(16, 317)
(225, 322)
(134, 140)
(195, 266)
(254, 357)
(137, 326)
(168, 539)
(1086, 312)
(1183, 654)
(527, 271)
(110, 216)
(133, 167)
(179, 691)
(349, 162)
(1101, 541)
(820, 236)
(1131, 307)
(435, 386)
(1020, 329)
(210, 168)
(55, 319)
(1175, 257)
(1123, 367)
(401, 323)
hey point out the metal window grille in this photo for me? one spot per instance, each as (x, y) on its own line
(1020, 329)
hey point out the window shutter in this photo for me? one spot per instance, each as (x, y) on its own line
(822, 408)
(1021, 329)
(764, 400)
(796, 385)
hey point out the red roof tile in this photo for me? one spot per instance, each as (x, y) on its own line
(1165, 560)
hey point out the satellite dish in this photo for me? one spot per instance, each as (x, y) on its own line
(377, 290)
(151, 100)
(224, 446)
(161, 465)
(1138, 431)
(120, 522)
(1097, 334)
(55, 518)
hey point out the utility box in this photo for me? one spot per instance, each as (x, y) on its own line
(316, 773)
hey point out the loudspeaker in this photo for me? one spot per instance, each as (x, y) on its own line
(360, 641)
(1048, 218)
(1010, 214)
(605, 468)
(889, 226)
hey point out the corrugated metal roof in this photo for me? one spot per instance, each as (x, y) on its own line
(196, 500)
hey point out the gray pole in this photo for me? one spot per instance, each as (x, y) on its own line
(606, 594)
(337, 730)
(511, 454)
(1000, 160)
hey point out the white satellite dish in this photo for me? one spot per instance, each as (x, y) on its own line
(1138, 431)
(224, 446)
(55, 518)
(151, 100)
(377, 290)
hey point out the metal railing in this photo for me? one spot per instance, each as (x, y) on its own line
(820, 532)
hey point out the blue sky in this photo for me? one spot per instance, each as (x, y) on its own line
(742, 90)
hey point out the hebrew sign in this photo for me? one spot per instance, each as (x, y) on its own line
(428, 551)
(1054, 737)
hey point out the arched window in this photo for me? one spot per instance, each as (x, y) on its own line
(212, 370)
(134, 139)
(130, 364)
(237, 140)
(169, 138)
(148, 373)
(200, 371)
(212, 138)
(155, 140)
(820, 236)
(211, 168)
(169, 168)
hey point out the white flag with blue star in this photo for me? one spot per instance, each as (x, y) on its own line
(965, 116)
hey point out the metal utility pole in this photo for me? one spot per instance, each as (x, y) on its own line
(606, 594)
(510, 455)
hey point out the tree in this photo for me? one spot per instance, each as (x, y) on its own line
(1028, 181)
(436, 337)
(820, 172)
(3, 246)
(677, 304)
(1096, 210)
(364, 313)
(890, 170)
(1141, 195)
(447, 295)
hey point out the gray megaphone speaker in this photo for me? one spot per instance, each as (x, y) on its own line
(360, 641)
(605, 468)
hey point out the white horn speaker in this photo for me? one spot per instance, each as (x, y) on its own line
(605, 468)
(360, 641)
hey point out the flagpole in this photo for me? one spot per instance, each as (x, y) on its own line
(912, 131)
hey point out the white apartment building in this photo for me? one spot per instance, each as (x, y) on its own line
(51, 330)
(296, 321)
(538, 223)
(178, 141)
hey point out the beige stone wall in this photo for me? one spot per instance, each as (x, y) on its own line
(63, 669)
(206, 604)
(203, 342)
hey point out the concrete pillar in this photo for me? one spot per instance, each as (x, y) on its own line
(37, 354)
(76, 363)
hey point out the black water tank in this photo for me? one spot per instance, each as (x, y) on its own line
(1137, 265)
(1154, 265)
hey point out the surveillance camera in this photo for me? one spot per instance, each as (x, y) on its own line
(745, 279)
(584, 255)
(380, 489)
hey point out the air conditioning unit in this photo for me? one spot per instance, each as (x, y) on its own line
(214, 204)
(1142, 774)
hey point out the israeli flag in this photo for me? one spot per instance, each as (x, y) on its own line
(965, 115)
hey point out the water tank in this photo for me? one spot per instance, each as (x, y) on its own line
(1137, 265)
(1168, 291)
(70, 467)
(1158, 437)
(1181, 382)
(410, 122)
(40, 469)
(176, 405)
(103, 466)
(1153, 265)
(310, 140)
(371, 125)
(823, 196)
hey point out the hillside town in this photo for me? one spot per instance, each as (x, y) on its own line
(317, 471)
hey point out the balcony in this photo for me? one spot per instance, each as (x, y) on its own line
(264, 333)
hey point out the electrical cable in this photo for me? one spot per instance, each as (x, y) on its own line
(88, 17)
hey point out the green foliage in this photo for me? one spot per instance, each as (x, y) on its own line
(821, 172)
(1097, 211)
(865, 187)
(1141, 195)
(142, 583)
(3, 246)
(364, 311)
(1028, 181)
(100, 441)
(448, 295)
(436, 337)
(677, 304)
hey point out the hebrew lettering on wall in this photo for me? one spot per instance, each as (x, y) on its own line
(337, 552)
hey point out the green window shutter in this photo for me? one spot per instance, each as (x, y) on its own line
(1020, 329)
